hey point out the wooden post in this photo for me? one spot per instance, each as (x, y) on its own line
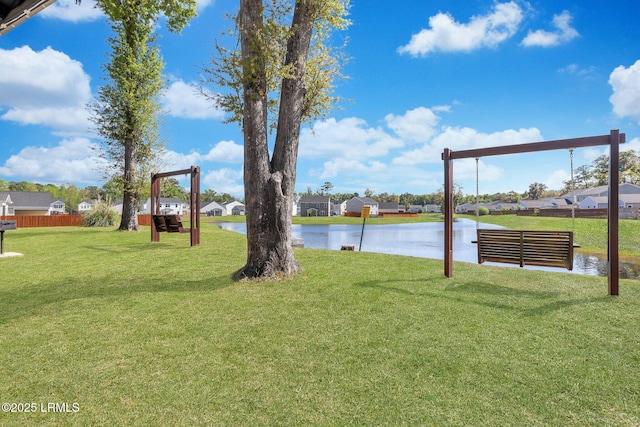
(448, 213)
(155, 205)
(194, 206)
(613, 256)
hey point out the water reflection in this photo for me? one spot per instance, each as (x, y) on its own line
(425, 240)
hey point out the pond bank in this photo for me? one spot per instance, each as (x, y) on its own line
(424, 240)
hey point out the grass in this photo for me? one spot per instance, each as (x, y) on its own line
(138, 333)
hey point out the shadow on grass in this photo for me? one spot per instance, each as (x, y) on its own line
(51, 296)
(526, 301)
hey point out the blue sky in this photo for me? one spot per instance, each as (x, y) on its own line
(422, 76)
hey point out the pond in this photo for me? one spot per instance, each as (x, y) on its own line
(424, 240)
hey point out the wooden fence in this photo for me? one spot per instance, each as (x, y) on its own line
(28, 221)
(625, 213)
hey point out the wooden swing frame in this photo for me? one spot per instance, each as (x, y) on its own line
(612, 140)
(170, 222)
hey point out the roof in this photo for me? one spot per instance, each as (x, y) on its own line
(315, 199)
(388, 205)
(13, 15)
(366, 200)
(29, 199)
(212, 204)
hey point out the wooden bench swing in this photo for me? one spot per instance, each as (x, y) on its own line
(526, 247)
(163, 223)
(540, 248)
(169, 224)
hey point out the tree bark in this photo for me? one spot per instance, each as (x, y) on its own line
(270, 185)
(129, 219)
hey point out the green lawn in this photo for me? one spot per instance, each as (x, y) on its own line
(137, 333)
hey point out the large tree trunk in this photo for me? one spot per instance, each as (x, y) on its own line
(270, 185)
(129, 219)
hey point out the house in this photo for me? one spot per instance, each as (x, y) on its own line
(549, 203)
(315, 206)
(630, 200)
(168, 206)
(467, 208)
(388, 207)
(116, 206)
(234, 208)
(87, 205)
(599, 191)
(602, 202)
(30, 203)
(499, 205)
(432, 208)
(593, 202)
(415, 209)
(213, 209)
(355, 204)
(338, 207)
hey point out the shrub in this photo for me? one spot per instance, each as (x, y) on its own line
(483, 210)
(100, 215)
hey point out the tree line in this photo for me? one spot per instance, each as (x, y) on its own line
(73, 195)
(585, 176)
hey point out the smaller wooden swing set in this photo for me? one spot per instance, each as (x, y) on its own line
(172, 223)
(534, 247)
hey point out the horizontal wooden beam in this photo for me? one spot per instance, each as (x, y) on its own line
(560, 144)
(173, 173)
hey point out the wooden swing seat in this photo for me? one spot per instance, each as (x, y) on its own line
(526, 247)
(169, 224)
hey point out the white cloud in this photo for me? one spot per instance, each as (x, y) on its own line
(70, 10)
(72, 160)
(416, 125)
(225, 181)
(447, 35)
(46, 87)
(626, 91)
(555, 181)
(466, 169)
(202, 4)
(577, 70)
(339, 166)
(348, 138)
(456, 138)
(223, 151)
(184, 100)
(563, 33)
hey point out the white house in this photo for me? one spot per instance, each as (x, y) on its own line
(234, 208)
(338, 207)
(168, 206)
(86, 205)
(213, 209)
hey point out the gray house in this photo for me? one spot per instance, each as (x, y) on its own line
(388, 207)
(355, 204)
(30, 203)
(315, 206)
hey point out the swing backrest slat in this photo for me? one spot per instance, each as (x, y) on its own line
(526, 247)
